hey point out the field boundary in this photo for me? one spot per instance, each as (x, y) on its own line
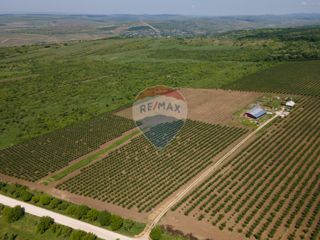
(146, 232)
(93, 156)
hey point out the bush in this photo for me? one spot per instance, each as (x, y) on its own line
(128, 224)
(54, 203)
(35, 199)
(55, 228)
(81, 211)
(12, 214)
(89, 236)
(71, 210)
(63, 206)
(77, 234)
(104, 218)
(156, 233)
(66, 231)
(9, 236)
(1, 207)
(92, 215)
(26, 196)
(45, 200)
(44, 224)
(116, 222)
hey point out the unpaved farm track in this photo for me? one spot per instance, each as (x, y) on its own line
(106, 234)
(183, 192)
(64, 220)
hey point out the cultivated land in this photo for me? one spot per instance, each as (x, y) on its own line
(36, 158)
(208, 105)
(267, 189)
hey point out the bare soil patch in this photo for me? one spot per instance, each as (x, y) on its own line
(211, 105)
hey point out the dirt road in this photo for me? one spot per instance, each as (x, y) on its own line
(200, 179)
(64, 220)
(109, 235)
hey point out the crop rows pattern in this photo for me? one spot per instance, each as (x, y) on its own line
(288, 78)
(34, 159)
(272, 187)
(138, 176)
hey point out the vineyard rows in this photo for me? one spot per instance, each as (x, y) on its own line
(273, 183)
(34, 159)
(138, 176)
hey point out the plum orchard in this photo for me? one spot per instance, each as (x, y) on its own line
(271, 185)
(34, 159)
(136, 175)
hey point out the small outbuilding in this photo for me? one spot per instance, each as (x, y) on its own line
(290, 103)
(256, 112)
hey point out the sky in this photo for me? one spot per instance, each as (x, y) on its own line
(183, 7)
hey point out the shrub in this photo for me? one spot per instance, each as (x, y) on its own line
(35, 199)
(45, 200)
(54, 203)
(116, 222)
(9, 236)
(66, 231)
(92, 215)
(104, 218)
(89, 236)
(12, 214)
(77, 234)
(55, 227)
(1, 208)
(71, 210)
(156, 233)
(63, 206)
(128, 224)
(44, 224)
(26, 196)
(81, 211)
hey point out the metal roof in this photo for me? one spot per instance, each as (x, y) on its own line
(256, 112)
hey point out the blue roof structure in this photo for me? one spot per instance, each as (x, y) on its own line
(256, 112)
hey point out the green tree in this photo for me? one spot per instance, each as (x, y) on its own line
(104, 218)
(1, 208)
(66, 231)
(81, 211)
(77, 234)
(45, 200)
(116, 222)
(26, 196)
(156, 233)
(63, 206)
(35, 199)
(44, 224)
(89, 236)
(92, 215)
(71, 210)
(54, 203)
(127, 224)
(12, 214)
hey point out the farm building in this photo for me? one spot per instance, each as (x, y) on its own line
(290, 104)
(255, 112)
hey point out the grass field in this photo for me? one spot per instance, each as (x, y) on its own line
(25, 229)
(271, 188)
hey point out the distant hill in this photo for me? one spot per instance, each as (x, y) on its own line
(18, 29)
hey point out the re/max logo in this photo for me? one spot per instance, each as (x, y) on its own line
(160, 105)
